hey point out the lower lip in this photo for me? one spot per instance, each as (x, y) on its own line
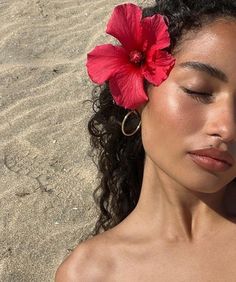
(209, 163)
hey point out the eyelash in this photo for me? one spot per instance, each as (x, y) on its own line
(199, 96)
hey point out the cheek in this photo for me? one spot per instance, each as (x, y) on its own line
(169, 118)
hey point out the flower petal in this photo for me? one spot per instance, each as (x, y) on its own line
(125, 25)
(104, 61)
(158, 66)
(155, 31)
(127, 88)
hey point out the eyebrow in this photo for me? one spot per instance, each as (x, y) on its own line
(214, 72)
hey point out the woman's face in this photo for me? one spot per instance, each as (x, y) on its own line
(174, 122)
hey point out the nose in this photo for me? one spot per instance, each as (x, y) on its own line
(223, 121)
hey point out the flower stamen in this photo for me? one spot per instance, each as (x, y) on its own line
(136, 57)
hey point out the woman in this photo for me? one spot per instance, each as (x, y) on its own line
(167, 212)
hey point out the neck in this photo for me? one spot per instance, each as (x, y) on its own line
(174, 212)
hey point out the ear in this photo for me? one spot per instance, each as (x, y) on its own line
(140, 108)
(147, 87)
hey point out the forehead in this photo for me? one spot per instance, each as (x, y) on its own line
(213, 44)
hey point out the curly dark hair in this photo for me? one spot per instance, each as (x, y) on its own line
(120, 159)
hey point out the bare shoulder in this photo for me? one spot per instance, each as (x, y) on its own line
(91, 261)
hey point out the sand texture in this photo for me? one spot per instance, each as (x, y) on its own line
(46, 175)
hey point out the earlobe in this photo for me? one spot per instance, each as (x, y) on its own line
(140, 108)
(148, 88)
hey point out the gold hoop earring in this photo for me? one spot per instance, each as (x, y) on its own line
(123, 124)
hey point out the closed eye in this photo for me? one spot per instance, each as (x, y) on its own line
(202, 97)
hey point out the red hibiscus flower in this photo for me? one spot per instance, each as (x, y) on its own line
(139, 57)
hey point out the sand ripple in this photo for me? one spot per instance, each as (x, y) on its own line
(46, 176)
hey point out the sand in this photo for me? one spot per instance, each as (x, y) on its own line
(46, 175)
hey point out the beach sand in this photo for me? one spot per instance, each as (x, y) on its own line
(46, 175)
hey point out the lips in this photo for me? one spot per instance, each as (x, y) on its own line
(215, 154)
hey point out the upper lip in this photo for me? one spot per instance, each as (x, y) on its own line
(215, 154)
